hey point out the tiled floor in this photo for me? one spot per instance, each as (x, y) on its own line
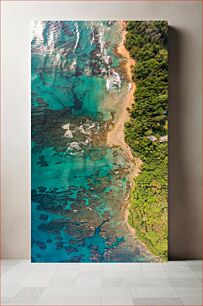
(172, 283)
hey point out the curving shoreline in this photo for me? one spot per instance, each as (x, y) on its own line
(116, 136)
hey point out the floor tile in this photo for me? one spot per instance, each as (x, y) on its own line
(189, 291)
(113, 282)
(198, 274)
(30, 292)
(67, 267)
(196, 268)
(69, 301)
(117, 301)
(90, 274)
(37, 279)
(172, 283)
(47, 267)
(150, 267)
(116, 292)
(147, 282)
(154, 292)
(193, 262)
(123, 274)
(67, 273)
(9, 292)
(61, 282)
(89, 279)
(181, 274)
(158, 301)
(89, 282)
(74, 292)
(185, 282)
(192, 301)
(91, 267)
(6, 268)
(177, 268)
(15, 275)
(155, 274)
(122, 267)
(4, 301)
(21, 301)
(175, 263)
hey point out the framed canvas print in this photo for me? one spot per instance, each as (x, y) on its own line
(99, 92)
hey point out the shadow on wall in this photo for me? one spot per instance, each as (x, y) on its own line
(184, 206)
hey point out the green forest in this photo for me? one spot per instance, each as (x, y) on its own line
(146, 133)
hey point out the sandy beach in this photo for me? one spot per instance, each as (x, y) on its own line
(116, 136)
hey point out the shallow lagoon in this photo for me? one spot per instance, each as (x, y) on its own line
(79, 185)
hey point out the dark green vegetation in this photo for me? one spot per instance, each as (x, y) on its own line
(145, 131)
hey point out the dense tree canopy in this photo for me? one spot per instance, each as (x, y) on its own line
(146, 132)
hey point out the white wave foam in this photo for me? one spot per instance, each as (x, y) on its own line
(92, 40)
(118, 79)
(77, 36)
(107, 84)
(37, 31)
(113, 81)
(74, 145)
(81, 129)
(106, 58)
(129, 86)
(68, 133)
(101, 42)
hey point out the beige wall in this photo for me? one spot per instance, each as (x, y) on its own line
(184, 105)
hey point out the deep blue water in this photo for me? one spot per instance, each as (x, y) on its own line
(78, 183)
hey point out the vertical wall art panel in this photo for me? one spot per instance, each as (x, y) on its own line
(99, 141)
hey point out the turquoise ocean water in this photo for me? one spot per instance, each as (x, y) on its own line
(79, 184)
